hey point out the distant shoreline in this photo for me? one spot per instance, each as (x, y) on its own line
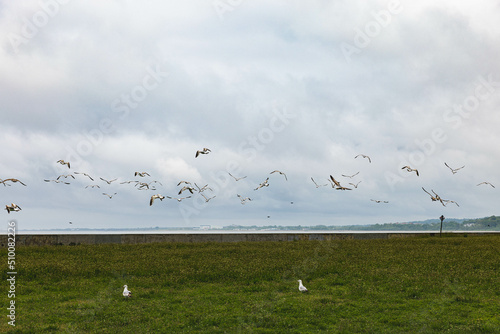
(215, 231)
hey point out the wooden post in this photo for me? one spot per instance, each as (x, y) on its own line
(441, 228)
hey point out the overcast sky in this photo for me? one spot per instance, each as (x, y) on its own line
(119, 87)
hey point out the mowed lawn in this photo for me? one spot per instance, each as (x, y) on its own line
(410, 285)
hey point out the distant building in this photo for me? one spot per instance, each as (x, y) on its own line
(205, 227)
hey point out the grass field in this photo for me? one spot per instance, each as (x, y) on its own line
(417, 285)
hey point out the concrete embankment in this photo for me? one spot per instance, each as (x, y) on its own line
(95, 239)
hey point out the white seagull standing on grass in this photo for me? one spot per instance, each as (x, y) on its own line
(301, 287)
(126, 292)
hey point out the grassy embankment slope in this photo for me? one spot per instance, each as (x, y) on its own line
(417, 285)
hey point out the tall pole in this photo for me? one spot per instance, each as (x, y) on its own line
(441, 228)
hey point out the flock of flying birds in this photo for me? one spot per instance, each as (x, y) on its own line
(191, 188)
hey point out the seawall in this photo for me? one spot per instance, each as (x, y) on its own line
(95, 239)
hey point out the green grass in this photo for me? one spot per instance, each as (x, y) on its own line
(417, 285)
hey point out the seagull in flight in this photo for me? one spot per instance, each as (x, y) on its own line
(436, 197)
(56, 181)
(336, 183)
(87, 175)
(108, 181)
(350, 176)
(62, 162)
(143, 174)
(203, 151)
(449, 201)
(128, 182)
(12, 207)
(236, 178)
(302, 288)
(243, 199)
(190, 189)
(110, 196)
(11, 180)
(485, 182)
(126, 292)
(160, 197)
(378, 201)
(93, 186)
(433, 198)
(318, 185)
(178, 199)
(409, 169)
(277, 171)
(181, 182)
(207, 198)
(454, 170)
(142, 185)
(263, 184)
(65, 176)
(202, 189)
(355, 185)
(364, 156)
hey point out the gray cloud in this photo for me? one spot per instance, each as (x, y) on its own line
(117, 88)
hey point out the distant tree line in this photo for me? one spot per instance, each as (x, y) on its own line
(479, 224)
